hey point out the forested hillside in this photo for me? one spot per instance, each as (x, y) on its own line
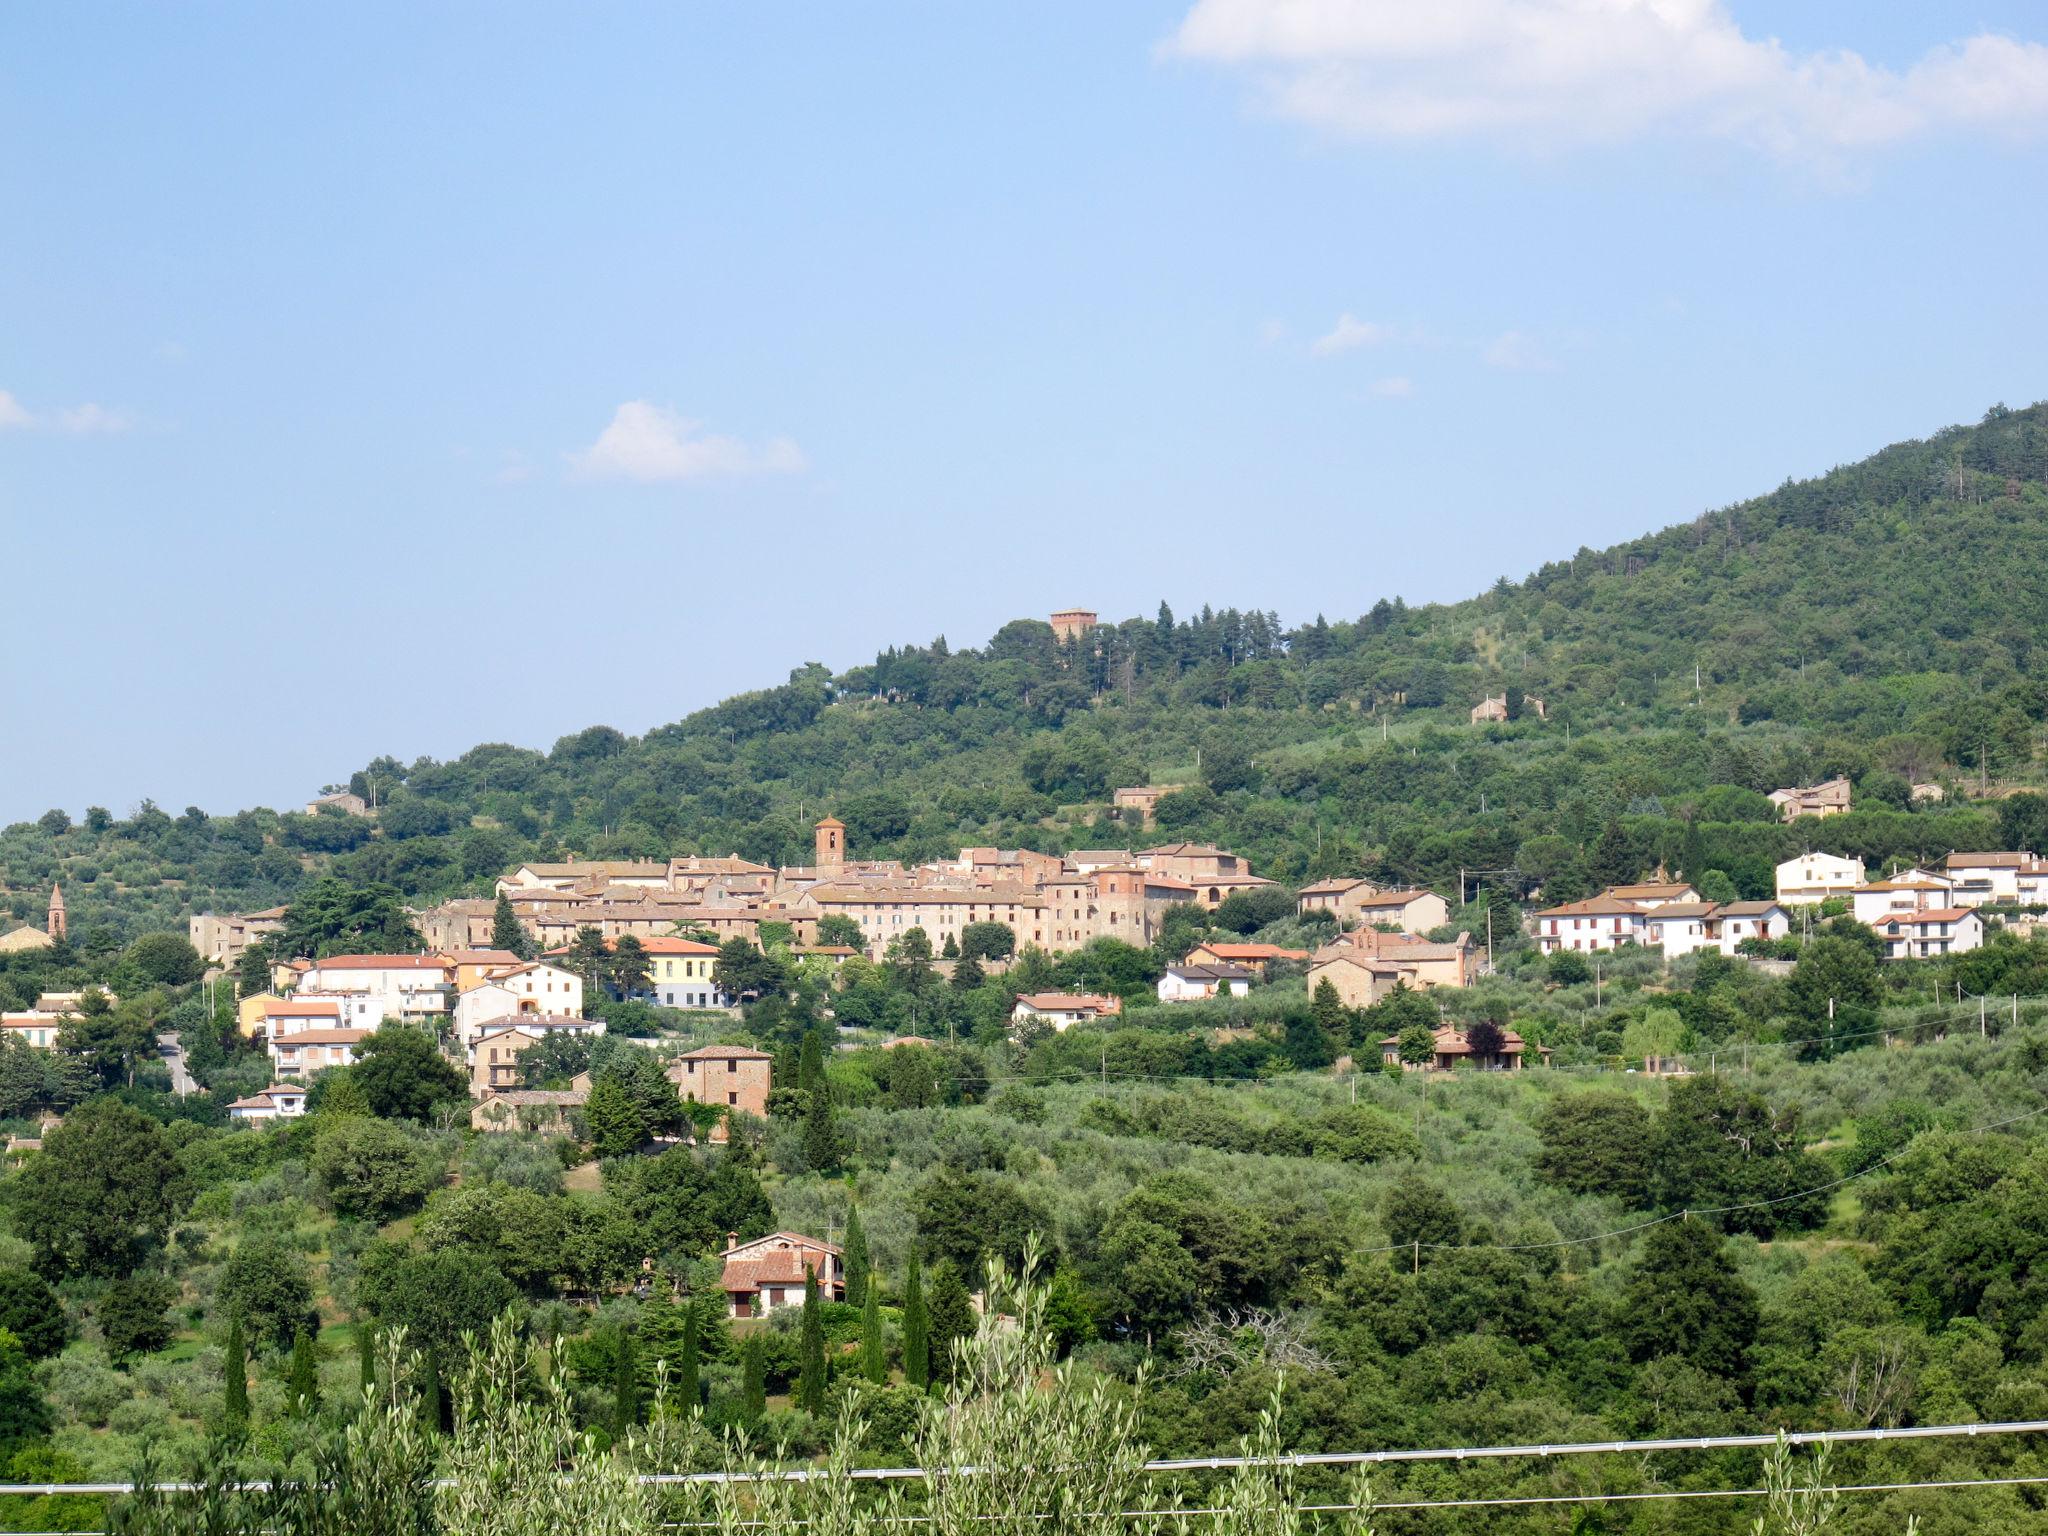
(1878, 620)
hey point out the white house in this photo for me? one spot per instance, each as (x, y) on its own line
(1680, 927)
(1735, 921)
(280, 1101)
(1063, 1010)
(397, 986)
(1930, 934)
(1192, 983)
(1981, 879)
(542, 988)
(1599, 922)
(1814, 877)
(481, 1005)
(1880, 899)
(315, 1050)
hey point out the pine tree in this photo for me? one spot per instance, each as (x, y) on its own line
(506, 934)
(342, 1095)
(968, 974)
(302, 1381)
(235, 1407)
(753, 1378)
(951, 1313)
(687, 1389)
(625, 1388)
(874, 1356)
(855, 1254)
(810, 1383)
(917, 1359)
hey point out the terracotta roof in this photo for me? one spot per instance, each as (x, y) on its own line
(1253, 952)
(1071, 1002)
(1672, 909)
(1990, 861)
(1394, 898)
(540, 1021)
(1647, 890)
(480, 957)
(296, 1008)
(1594, 906)
(1209, 972)
(1378, 965)
(1335, 887)
(1452, 1042)
(1747, 908)
(725, 1053)
(564, 1097)
(664, 944)
(380, 963)
(322, 1037)
(1923, 919)
(266, 1099)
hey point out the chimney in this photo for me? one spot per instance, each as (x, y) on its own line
(732, 1239)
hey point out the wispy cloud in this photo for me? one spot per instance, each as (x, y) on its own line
(1398, 387)
(1348, 334)
(1518, 352)
(85, 420)
(651, 443)
(1556, 72)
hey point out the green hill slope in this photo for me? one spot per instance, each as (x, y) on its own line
(1879, 620)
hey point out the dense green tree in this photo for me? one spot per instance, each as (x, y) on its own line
(372, 1170)
(753, 1377)
(625, 1385)
(163, 959)
(404, 1075)
(630, 971)
(616, 1126)
(1597, 1143)
(987, 941)
(133, 1315)
(1417, 1211)
(30, 1311)
(874, 1355)
(1684, 1298)
(436, 1297)
(102, 1193)
(265, 1289)
(332, 917)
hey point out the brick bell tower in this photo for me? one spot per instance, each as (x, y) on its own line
(55, 926)
(831, 845)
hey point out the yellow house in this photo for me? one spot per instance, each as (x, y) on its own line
(680, 972)
(249, 1013)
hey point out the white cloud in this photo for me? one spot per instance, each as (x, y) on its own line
(1518, 352)
(1399, 387)
(1272, 333)
(1349, 333)
(649, 443)
(77, 420)
(1567, 71)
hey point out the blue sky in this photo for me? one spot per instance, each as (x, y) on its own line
(392, 378)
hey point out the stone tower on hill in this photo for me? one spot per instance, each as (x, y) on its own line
(55, 925)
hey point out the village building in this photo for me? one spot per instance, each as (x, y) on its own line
(410, 987)
(280, 1101)
(1063, 1010)
(28, 937)
(1987, 879)
(1194, 983)
(537, 1111)
(1597, 923)
(1815, 877)
(766, 1274)
(1253, 957)
(1430, 963)
(679, 973)
(345, 801)
(1410, 911)
(1881, 899)
(1339, 898)
(1651, 894)
(307, 1051)
(1454, 1050)
(1358, 978)
(1830, 798)
(1680, 927)
(578, 874)
(1930, 934)
(736, 1078)
(220, 939)
(1070, 624)
(1495, 708)
(1737, 921)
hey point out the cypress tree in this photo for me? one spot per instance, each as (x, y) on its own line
(687, 1388)
(506, 934)
(753, 1378)
(235, 1408)
(856, 1257)
(302, 1382)
(874, 1358)
(821, 1137)
(917, 1357)
(951, 1318)
(810, 1384)
(430, 1390)
(810, 1068)
(625, 1388)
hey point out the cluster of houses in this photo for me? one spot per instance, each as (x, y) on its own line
(1667, 914)
(1922, 912)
